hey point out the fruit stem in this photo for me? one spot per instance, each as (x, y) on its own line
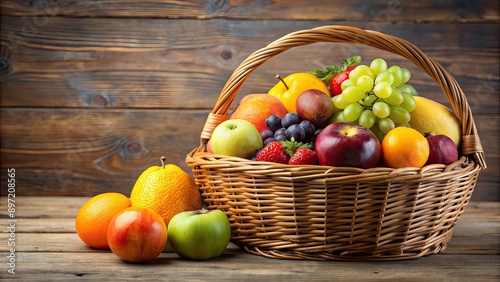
(281, 79)
(162, 160)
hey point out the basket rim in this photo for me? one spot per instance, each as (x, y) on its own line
(206, 160)
(471, 144)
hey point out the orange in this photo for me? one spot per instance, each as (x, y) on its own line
(405, 147)
(167, 190)
(94, 216)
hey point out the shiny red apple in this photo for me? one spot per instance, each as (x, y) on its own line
(442, 150)
(345, 144)
(137, 234)
(315, 106)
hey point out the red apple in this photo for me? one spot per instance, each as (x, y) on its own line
(442, 150)
(137, 234)
(315, 105)
(345, 144)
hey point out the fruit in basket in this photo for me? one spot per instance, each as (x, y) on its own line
(442, 149)
(273, 152)
(334, 76)
(200, 234)
(375, 96)
(255, 108)
(291, 125)
(432, 117)
(405, 147)
(94, 216)
(137, 234)
(315, 106)
(287, 152)
(303, 156)
(345, 144)
(336, 82)
(288, 89)
(236, 138)
(165, 189)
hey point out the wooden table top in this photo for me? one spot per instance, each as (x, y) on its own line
(47, 248)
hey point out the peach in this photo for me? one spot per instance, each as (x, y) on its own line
(255, 108)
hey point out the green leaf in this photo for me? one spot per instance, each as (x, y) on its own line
(330, 71)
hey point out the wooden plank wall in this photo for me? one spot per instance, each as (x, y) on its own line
(93, 92)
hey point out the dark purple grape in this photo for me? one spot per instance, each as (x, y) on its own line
(308, 127)
(280, 138)
(273, 122)
(280, 131)
(289, 119)
(266, 133)
(269, 140)
(295, 131)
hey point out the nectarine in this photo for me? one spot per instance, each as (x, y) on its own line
(255, 108)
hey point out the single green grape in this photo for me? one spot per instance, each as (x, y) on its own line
(377, 132)
(378, 66)
(365, 82)
(353, 77)
(369, 100)
(340, 102)
(408, 103)
(385, 125)
(406, 75)
(352, 112)
(395, 98)
(361, 70)
(381, 109)
(399, 115)
(338, 117)
(382, 89)
(385, 76)
(353, 94)
(397, 73)
(346, 83)
(405, 88)
(414, 91)
(367, 118)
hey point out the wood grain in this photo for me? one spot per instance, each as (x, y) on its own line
(356, 10)
(48, 248)
(124, 67)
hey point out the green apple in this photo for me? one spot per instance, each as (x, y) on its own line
(236, 138)
(199, 235)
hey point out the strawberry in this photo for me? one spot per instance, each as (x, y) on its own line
(303, 156)
(335, 75)
(336, 82)
(273, 152)
(287, 152)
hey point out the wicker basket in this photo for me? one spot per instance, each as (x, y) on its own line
(339, 213)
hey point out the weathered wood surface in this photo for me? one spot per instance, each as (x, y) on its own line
(356, 10)
(48, 249)
(91, 94)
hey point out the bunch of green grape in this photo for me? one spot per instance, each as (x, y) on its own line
(376, 96)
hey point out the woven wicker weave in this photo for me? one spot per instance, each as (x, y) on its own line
(339, 213)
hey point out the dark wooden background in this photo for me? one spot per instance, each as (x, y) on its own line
(92, 93)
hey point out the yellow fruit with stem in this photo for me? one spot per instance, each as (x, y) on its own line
(167, 190)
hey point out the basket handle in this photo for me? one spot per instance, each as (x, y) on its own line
(471, 144)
